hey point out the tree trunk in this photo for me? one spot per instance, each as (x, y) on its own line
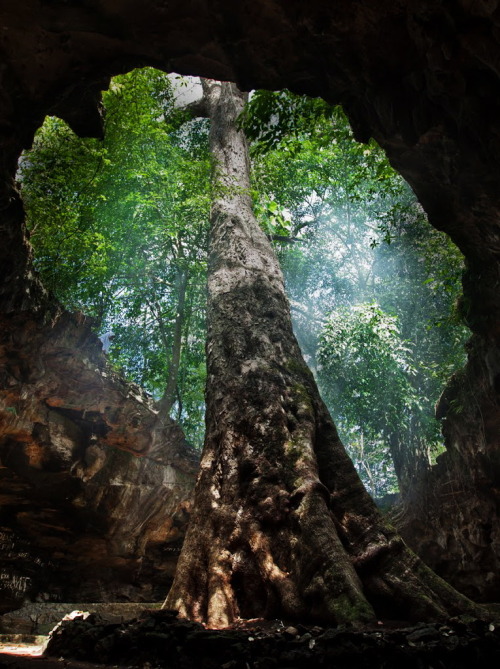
(168, 398)
(282, 526)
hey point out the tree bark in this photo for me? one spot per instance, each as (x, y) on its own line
(282, 525)
(167, 401)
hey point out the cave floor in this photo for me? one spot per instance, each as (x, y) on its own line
(160, 639)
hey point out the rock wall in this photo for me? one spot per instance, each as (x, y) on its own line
(94, 488)
(451, 516)
(420, 76)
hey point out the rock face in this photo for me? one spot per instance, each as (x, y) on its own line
(94, 491)
(452, 515)
(421, 77)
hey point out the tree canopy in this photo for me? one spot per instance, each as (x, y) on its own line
(119, 229)
(120, 232)
(364, 269)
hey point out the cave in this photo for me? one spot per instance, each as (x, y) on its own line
(419, 77)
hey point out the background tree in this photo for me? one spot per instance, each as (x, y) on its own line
(351, 233)
(366, 374)
(120, 232)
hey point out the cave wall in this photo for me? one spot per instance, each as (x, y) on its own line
(451, 515)
(420, 76)
(94, 489)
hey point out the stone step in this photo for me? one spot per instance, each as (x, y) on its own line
(39, 618)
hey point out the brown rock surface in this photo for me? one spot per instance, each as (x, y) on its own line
(452, 515)
(38, 619)
(94, 491)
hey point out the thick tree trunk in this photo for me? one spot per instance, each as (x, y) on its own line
(282, 525)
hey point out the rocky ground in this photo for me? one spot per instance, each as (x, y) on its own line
(159, 639)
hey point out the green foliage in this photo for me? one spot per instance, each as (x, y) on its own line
(59, 179)
(281, 119)
(334, 193)
(355, 234)
(120, 231)
(365, 372)
(361, 348)
(116, 224)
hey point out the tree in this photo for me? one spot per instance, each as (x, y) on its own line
(419, 271)
(365, 373)
(282, 525)
(119, 229)
(356, 235)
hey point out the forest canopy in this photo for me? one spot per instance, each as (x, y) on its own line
(120, 232)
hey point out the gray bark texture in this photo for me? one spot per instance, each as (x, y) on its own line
(282, 526)
(167, 401)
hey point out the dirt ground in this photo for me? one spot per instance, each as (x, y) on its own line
(158, 639)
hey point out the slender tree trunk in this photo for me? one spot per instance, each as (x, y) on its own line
(282, 526)
(168, 399)
(410, 459)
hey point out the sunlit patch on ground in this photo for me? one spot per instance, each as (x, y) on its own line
(15, 644)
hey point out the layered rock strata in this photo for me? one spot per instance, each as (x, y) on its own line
(94, 488)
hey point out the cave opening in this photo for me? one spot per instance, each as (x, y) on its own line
(119, 228)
